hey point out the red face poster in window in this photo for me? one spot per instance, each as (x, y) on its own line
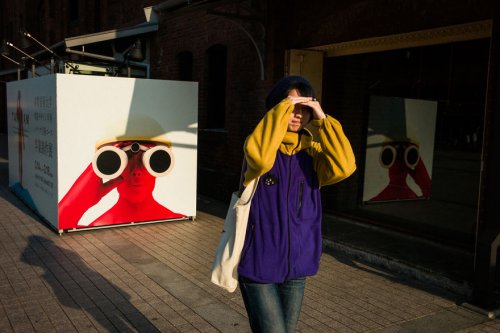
(400, 146)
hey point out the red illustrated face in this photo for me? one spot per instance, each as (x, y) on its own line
(138, 184)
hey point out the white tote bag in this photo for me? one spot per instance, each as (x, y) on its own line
(228, 252)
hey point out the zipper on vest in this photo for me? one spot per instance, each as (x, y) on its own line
(288, 213)
(287, 200)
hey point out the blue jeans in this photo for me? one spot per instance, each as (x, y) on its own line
(273, 308)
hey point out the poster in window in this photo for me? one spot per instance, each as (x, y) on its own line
(399, 150)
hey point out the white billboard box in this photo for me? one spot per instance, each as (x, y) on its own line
(90, 151)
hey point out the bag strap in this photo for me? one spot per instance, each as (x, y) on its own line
(242, 174)
(247, 193)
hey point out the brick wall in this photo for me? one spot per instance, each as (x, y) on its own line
(219, 152)
(324, 22)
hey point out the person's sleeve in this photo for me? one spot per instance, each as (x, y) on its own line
(333, 156)
(262, 144)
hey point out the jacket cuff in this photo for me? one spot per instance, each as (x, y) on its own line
(317, 122)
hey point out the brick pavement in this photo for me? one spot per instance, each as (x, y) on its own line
(155, 278)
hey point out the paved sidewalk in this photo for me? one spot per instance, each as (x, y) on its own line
(155, 278)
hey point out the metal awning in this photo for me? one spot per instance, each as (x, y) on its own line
(151, 25)
(111, 34)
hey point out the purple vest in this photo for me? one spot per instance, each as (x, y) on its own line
(283, 239)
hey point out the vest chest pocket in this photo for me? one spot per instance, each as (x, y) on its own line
(300, 197)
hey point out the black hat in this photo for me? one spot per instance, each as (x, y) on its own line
(283, 87)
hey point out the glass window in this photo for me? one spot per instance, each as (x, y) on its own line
(185, 62)
(216, 99)
(419, 144)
